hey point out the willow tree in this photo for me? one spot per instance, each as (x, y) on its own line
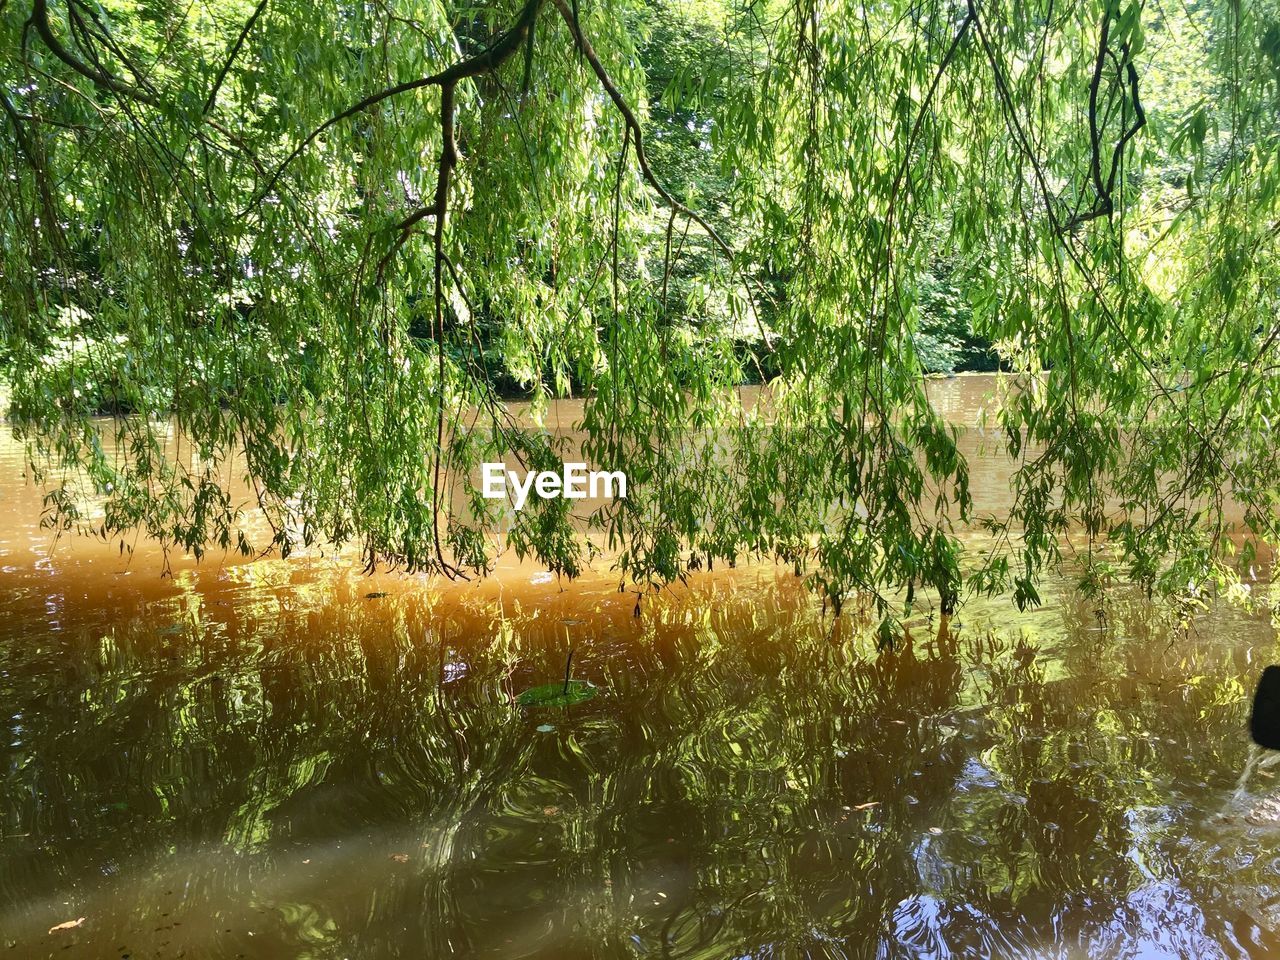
(316, 238)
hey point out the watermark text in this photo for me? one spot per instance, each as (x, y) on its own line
(575, 482)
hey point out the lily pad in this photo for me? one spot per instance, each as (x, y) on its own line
(559, 694)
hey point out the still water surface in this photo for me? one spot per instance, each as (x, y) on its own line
(262, 760)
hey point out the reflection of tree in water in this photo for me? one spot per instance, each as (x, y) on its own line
(744, 784)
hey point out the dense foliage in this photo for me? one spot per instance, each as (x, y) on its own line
(329, 238)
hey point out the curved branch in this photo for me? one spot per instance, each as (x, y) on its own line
(40, 18)
(1104, 200)
(1139, 121)
(1095, 152)
(633, 124)
(487, 60)
(231, 57)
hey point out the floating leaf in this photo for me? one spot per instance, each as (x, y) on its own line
(558, 694)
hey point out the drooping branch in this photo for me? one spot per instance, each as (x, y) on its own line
(231, 57)
(633, 125)
(40, 19)
(448, 160)
(1140, 118)
(486, 61)
(1104, 188)
(492, 58)
(1062, 229)
(39, 174)
(1103, 197)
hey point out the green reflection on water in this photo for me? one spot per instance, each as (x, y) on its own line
(296, 772)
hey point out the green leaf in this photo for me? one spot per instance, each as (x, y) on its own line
(557, 694)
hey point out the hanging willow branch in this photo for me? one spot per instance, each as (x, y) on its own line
(169, 257)
(40, 19)
(633, 125)
(231, 56)
(486, 61)
(1104, 187)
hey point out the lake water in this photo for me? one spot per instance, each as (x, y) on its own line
(289, 759)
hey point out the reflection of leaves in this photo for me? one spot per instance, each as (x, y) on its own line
(557, 694)
(300, 721)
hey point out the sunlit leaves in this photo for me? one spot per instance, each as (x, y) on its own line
(1092, 188)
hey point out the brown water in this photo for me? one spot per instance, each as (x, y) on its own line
(261, 760)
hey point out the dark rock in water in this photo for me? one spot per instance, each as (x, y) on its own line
(1264, 720)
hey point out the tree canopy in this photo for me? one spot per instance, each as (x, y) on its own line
(331, 239)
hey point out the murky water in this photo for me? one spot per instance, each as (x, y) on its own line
(270, 759)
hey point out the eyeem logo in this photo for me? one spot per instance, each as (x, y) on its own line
(576, 483)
